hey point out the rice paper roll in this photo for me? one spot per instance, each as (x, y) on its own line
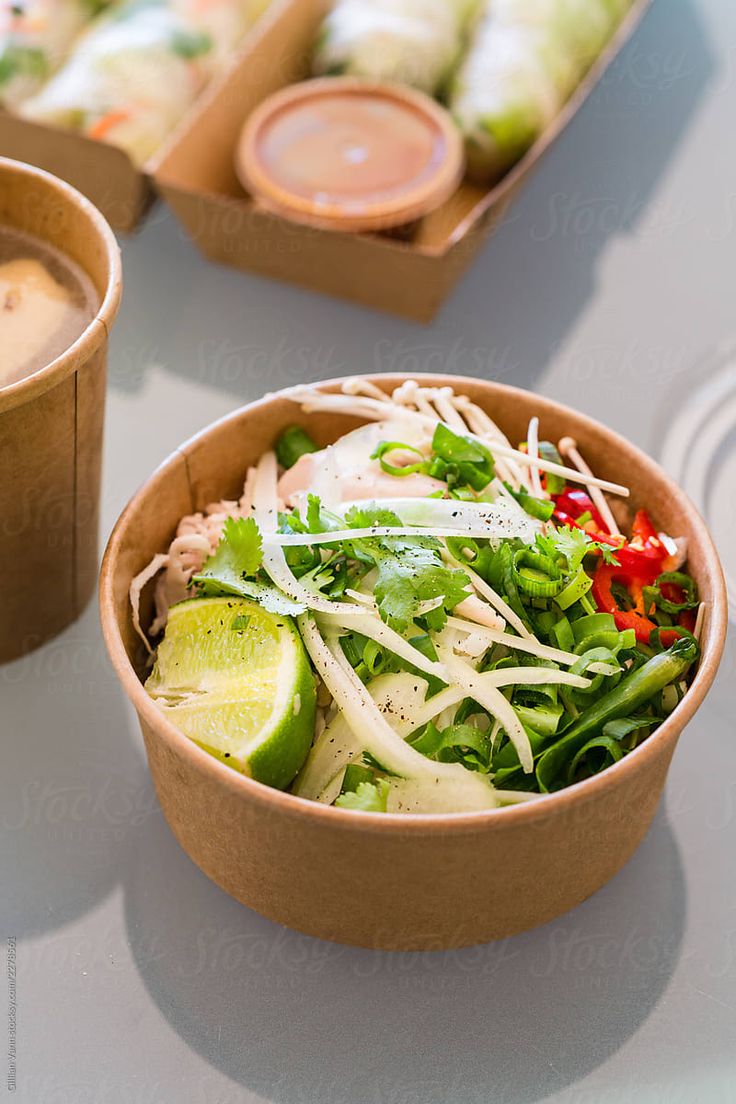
(505, 96)
(130, 78)
(414, 42)
(527, 58)
(225, 21)
(35, 38)
(580, 28)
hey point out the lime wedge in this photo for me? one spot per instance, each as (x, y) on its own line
(236, 680)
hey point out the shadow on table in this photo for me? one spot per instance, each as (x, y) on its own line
(534, 279)
(76, 798)
(297, 1020)
(243, 335)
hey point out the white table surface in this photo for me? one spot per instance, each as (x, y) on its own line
(138, 981)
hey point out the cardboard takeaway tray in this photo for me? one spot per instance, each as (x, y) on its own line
(106, 175)
(412, 277)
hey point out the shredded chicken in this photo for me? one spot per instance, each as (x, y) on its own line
(354, 484)
(197, 537)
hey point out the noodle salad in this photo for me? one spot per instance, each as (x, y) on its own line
(421, 617)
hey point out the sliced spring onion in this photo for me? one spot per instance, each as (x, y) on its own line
(485, 590)
(575, 590)
(491, 699)
(539, 508)
(593, 623)
(537, 575)
(562, 632)
(655, 636)
(612, 752)
(456, 743)
(370, 625)
(555, 484)
(591, 657)
(543, 719)
(387, 447)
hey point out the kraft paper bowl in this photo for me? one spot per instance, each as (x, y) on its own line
(390, 881)
(51, 428)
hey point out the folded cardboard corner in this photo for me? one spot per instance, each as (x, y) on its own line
(104, 174)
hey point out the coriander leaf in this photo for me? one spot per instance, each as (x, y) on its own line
(315, 521)
(411, 572)
(573, 544)
(265, 594)
(609, 554)
(370, 516)
(272, 599)
(321, 576)
(546, 545)
(399, 470)
(238, 555)
(291, 522)
(369, 797)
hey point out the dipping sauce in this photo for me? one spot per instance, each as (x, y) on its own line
(46, 303)
(349, 154)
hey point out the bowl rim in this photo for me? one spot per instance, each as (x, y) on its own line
(98, 329)
(240, 786)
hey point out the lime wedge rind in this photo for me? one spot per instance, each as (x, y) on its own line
(245, 695)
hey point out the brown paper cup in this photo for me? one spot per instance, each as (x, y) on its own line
(411, 882)
(51, 428)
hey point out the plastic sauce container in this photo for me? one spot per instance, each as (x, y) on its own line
(350, 155)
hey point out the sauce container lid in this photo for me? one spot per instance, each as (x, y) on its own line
(341, 153)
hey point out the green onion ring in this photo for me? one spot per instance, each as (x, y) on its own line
(395, 469)
(536, 574)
